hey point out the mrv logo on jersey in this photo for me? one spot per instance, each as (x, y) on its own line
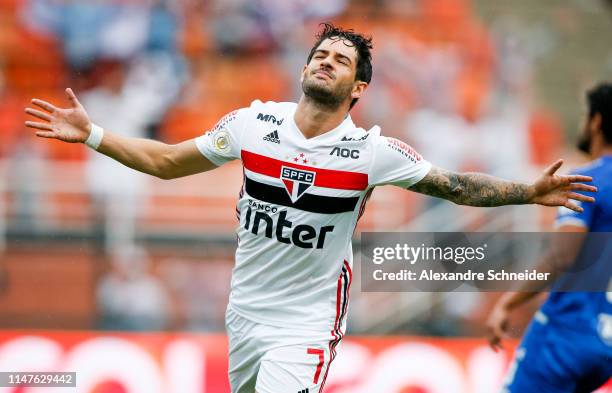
(296, 181)
(266, 118)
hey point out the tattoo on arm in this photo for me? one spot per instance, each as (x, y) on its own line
(473, 189)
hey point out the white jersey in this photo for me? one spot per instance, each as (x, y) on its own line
(298, 209)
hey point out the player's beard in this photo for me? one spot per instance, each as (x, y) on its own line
(325, 95)
(584, 142)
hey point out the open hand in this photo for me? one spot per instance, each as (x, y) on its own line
(69, 125)
(558, 190)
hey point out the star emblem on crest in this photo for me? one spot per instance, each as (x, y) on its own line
(295, 177)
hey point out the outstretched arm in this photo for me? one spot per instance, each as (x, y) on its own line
(477, 189)
(155, 158)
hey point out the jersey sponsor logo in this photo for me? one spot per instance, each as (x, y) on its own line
(345, 153)
(272, 137)
(262, 206)
(350, 139)
(405, 149)
(269, 118)
(302, 235)
(296, 181)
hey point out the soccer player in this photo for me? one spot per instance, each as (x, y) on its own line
(308, 172)
(568, 345)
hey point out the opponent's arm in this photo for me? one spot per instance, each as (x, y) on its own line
(477, 189)
(155, 158)
(562, 254)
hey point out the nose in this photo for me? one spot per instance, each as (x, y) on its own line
(326, 64)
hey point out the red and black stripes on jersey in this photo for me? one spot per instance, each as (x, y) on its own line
(326, 178)
(342, 300)
(308, 202)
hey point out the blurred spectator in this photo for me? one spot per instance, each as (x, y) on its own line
(129, 297)
(128, 99)
(93, 30)
(201, 290)
(263, 25)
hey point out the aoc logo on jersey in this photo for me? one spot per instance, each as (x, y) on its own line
(296, 181)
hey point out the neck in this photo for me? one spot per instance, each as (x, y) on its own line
(605, 151)
(600, 148)
(314, 119)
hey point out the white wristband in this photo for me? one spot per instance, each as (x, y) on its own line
(95, 137)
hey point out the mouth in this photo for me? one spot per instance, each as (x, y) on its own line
(324, 74)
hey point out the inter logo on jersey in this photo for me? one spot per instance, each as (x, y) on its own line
(272, 137)
(296, 181)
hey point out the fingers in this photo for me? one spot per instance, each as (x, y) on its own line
(573, 207)
(44, 105)
(496, 335)
(37, 113)
(39, 126)
(553, 168)
(580, 197)
(578, 179)
(46, 134)
(495, 342)
(72, 98)
(580, 187)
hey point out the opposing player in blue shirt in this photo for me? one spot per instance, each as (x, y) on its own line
(568, 346)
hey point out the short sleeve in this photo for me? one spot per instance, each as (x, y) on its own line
(395, 162)
(222, 144)
(567, 216)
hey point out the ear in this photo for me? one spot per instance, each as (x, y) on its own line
(595, 123)
(358, 89)
(303, 73)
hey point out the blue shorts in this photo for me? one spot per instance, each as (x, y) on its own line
(554, 359)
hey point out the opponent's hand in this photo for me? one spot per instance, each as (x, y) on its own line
(69, 125)
(497, 326)
(556, 190)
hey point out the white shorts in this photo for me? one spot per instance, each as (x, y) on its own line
(271, 359)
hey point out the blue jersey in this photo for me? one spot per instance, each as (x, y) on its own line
(568, 346)
(588, 311)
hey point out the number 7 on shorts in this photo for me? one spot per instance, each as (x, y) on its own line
(321, 354)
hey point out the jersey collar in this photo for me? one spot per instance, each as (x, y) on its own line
(346, 124)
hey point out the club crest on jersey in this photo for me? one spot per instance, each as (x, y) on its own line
(296, 181)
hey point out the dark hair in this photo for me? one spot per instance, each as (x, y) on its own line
(362, 45)
(599, 99)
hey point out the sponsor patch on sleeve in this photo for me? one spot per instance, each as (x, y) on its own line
(225, 121)
(404, 149)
